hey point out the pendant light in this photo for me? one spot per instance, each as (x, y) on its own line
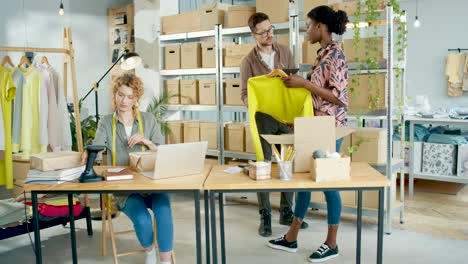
(416, 23)
(61, 11)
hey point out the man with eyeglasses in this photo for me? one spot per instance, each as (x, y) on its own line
(265, 57)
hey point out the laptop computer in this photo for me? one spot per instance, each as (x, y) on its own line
(174, 160)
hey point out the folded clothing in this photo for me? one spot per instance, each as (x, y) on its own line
(58, 201)
(12, 212)
(446, 139)
(50, 210)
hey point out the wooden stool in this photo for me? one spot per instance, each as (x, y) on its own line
(106, 216)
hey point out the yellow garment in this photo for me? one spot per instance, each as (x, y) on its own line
(7, 94)
(270, 96)
(63, 201)
(30, 122)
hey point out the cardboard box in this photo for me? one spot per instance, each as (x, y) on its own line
(371, 145)
(462, 164)
(238, 16)
(234, 137)
(283, 39)
(366, 92)
(176, 133)
(439, 159)
(249, 146)
(191, 131)
(172, 57)
(348, 198)
(308, 5)
(142, 161)
(189, 92)
(330, 169)
(190, 56)
(365, 45)
(50, 161)
(180, 23)
(235, 53)
(309, 52)
(208, 55)
(277, 10)
(232, 92)
(21, 167)
(209, 132)
(212, 14)
(207, 91)
(172, 88)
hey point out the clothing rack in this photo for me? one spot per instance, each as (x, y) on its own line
(458, 49)
(68, 59)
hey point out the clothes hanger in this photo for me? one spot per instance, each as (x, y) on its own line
(24, 60)
(277, 73)
(7, 60)
(44, 60)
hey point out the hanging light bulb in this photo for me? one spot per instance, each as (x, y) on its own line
(61, 11)
(416, 23)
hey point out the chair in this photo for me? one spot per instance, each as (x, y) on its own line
(106, 216)
(269, 95)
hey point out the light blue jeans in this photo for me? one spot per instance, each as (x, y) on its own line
(333, 199)
(136, 208)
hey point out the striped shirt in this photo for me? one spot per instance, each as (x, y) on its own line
(330, 71)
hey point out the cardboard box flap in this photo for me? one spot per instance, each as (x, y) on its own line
(241, 8)
(285, 139)
(210, 7)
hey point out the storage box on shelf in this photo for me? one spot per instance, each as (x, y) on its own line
(237, 16)
(172, 88)
(190, 56)
(249, 146)
(309, 52)
(207, 91)
(172, 57)
(191, 131)
(372, 145)
(212, 14)
(176, 132)
(234, 137)
(369, 92)
(188, 92)
(308, 5)
(235, 53)
(439, 159)
(277, 10)
(208, 55)
(283, 39)
(180, 23)
(209, 132)
(232, 92)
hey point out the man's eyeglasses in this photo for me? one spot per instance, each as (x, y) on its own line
(266, 32)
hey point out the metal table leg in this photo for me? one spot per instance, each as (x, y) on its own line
(72, 228)
(207, 227)
(89, 225)
(37, 230)
(221, 228)
(411, 165)
(213, 227)
(196, 198)
(380, 226)
(359, 227)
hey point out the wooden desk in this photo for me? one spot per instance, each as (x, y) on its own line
(139, 183)
(363, 177)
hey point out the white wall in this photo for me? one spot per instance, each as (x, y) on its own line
(88, 21)
(444, 25)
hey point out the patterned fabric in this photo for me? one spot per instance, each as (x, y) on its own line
(330, 71)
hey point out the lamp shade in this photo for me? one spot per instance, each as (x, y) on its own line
(130, 61)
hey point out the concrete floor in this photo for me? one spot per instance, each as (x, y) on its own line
(243, 243)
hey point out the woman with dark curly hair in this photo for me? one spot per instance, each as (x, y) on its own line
(129, 130)
(327, 81)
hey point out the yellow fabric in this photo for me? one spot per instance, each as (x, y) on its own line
(114, 137)
(30, 125)
(270, 96)
(60, 201)
(7, 94)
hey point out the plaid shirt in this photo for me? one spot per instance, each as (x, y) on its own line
(330, 71)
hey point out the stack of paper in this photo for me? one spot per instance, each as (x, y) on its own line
(54, 177)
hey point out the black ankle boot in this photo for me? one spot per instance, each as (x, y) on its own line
(286, 217)
(265, 223)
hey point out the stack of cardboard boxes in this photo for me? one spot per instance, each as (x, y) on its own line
(192, 131)
(237, 137)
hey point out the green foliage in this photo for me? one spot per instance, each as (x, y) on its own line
(158, 107)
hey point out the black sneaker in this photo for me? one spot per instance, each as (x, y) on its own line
(286, 218)
(265, 223)
(323, 253)
(282, 244)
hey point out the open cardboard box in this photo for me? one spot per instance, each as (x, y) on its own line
(310, 134)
